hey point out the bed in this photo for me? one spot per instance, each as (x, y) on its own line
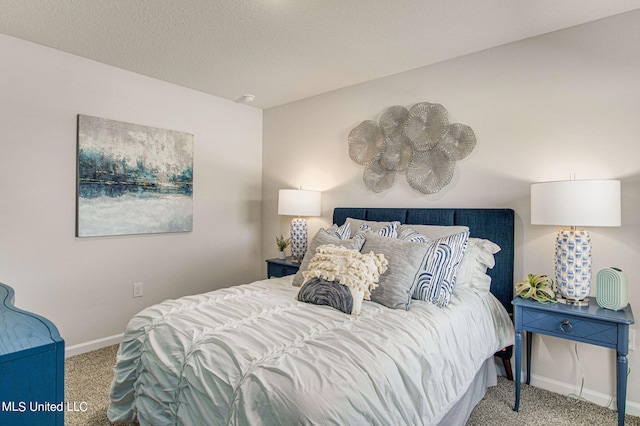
(254, 354)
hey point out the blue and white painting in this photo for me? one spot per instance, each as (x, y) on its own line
(133, 179)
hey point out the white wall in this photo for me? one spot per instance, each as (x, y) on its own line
(84, 285)
(566, 102)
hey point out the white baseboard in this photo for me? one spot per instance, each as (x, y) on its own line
(93, 345)
(599, 398)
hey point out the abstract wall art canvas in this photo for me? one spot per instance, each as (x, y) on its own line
(132, 179)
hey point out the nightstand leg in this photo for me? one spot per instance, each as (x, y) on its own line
(529, 347)
(621, 385)
(518, 368)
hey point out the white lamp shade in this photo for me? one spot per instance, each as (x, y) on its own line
(576, 203)
(298, 202)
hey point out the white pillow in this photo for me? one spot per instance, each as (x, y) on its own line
(478, 257)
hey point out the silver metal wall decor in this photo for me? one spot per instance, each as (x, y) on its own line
(419, 142)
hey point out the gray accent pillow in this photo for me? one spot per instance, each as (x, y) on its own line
(395, 287)
(322, 238)
(319, 291)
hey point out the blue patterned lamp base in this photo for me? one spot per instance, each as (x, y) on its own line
(573, 266)
(298, 238)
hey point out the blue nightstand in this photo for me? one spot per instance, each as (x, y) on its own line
(588, 324)
(281, 267)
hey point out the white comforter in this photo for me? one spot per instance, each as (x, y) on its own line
(254, 355)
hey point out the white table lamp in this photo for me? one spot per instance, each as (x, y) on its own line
(298, 202)
(575, 203)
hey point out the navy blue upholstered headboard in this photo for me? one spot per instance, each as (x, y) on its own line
(496, 225)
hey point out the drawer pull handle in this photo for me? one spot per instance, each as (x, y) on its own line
(566, 326)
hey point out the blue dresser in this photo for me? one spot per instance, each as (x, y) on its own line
(31, 367)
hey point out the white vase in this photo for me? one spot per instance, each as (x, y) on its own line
(282, 255)
(298, 238)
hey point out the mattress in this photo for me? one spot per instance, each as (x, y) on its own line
(254, 355)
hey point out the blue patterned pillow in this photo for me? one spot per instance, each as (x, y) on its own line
(374, 225)
(343, 232)
(390, 230)
(436, 276)
(408, 234)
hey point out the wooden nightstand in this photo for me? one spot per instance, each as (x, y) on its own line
(588, 324)
(281, 267)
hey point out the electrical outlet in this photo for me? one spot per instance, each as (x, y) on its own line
(137, 289)
(632, 340)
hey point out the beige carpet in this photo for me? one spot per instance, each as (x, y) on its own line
(88, 379)
(539, 407)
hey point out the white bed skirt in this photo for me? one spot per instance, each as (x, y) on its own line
(461, 409)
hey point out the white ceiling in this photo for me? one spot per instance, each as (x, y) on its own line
(285, 50)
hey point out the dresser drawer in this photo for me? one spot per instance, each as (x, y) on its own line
(572, 327)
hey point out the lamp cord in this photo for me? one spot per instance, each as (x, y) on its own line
(576, 398)
(579, 396)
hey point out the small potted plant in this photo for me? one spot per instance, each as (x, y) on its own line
(538, 287)
(282, 244)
